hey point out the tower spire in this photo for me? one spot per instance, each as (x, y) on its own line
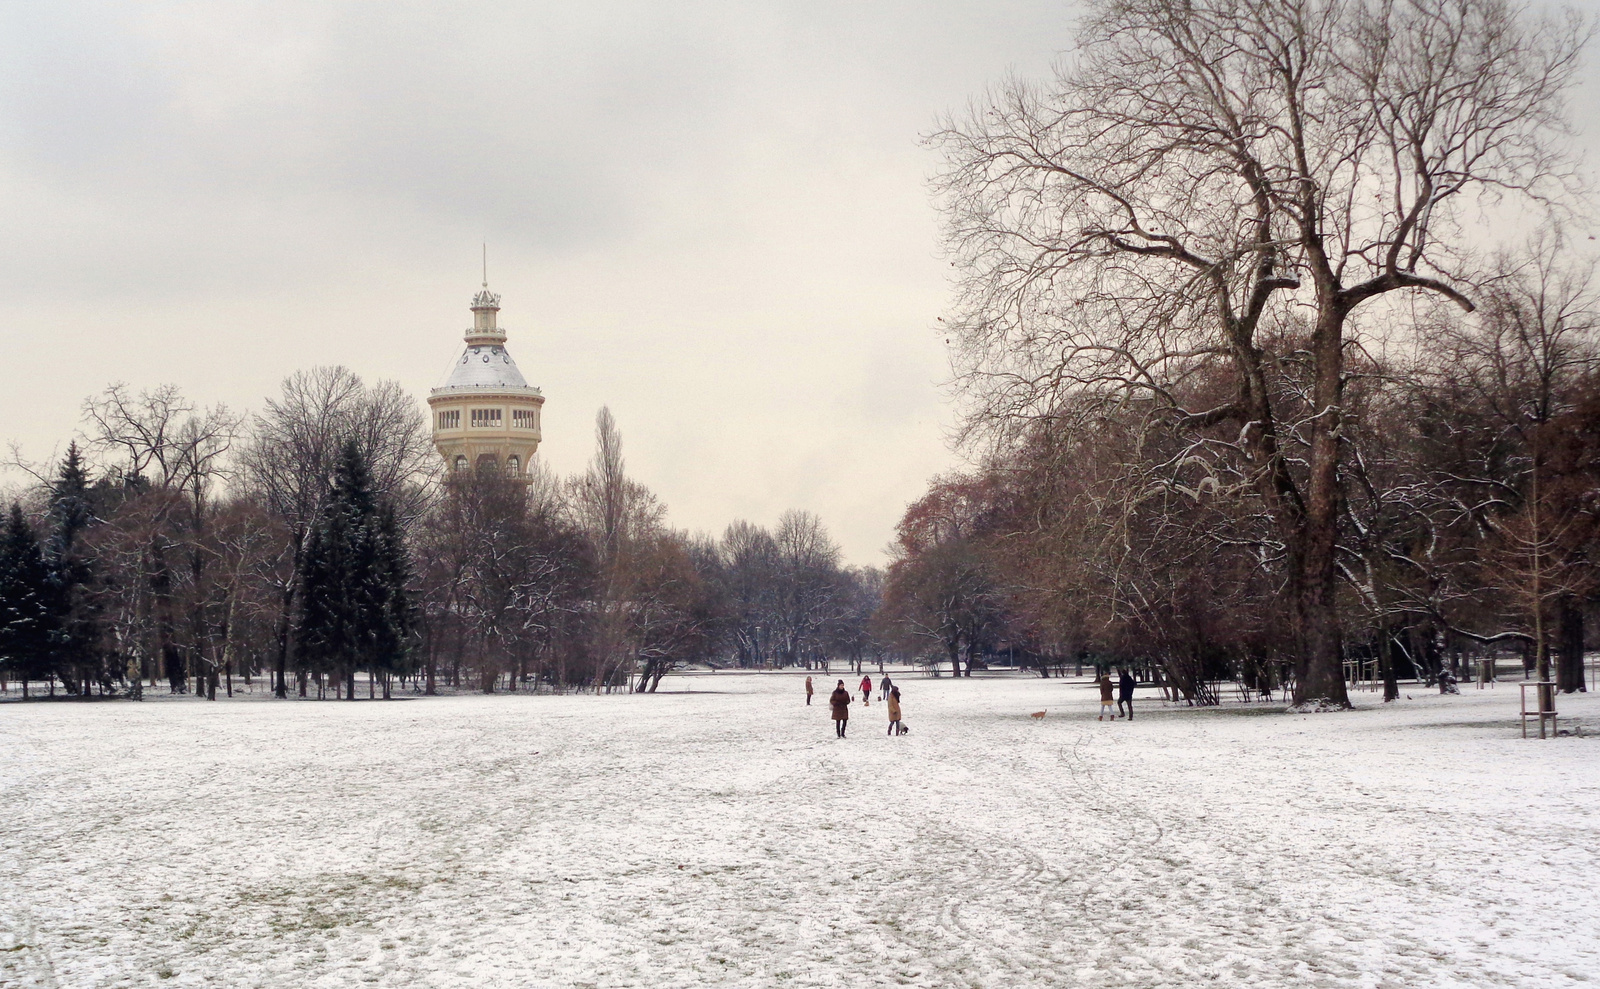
(485, 306)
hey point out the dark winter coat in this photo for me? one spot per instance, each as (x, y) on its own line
(1125, 688)
(839, 700)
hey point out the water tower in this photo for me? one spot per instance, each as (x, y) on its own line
(486, 414)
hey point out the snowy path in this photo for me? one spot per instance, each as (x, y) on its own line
(724, 837)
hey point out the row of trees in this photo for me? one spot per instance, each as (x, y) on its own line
(314, 541)
(1251, 398)
(1252, 403)
(1469, 520)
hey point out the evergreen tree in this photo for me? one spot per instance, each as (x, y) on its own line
(355, 613)
(394, 565)
(29, 609)
(71, 508)
(79, 657)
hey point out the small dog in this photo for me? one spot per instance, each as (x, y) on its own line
(1039, 715)
(903, 729)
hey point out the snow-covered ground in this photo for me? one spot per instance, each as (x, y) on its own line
(718, 834)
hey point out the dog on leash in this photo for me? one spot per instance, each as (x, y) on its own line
(1039, 715)
(903, 729)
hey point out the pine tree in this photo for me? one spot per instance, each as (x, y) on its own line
(354, 613)
(71, 566)
(29, 609)
(394, 567)
(71, 511)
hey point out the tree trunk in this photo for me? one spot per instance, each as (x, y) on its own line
(280, 669)
(1391, 682)
(1569, 651)
(1319, 673)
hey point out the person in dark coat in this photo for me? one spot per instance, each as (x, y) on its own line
(1125, 685)
(808, 691)
(839, 700)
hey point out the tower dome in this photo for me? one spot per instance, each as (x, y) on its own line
(485, 414)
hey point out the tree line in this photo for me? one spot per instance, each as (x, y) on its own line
(316, 540)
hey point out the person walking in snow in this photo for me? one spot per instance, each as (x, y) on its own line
(1125, 685)
(1106, 689)
(884, 686)
(839, 700)
(808, 691)
(866, 689)
(894, 712)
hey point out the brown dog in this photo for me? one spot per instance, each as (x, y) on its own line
(1037, 715)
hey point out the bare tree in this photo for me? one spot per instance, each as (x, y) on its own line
(169, 456)
(611, 506)
(749, 569)
(808, 594)
(1524, 375)
(622, 518)
(1201, 175)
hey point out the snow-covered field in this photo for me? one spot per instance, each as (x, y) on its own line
(719, 834)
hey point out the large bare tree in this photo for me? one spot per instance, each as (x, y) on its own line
(169, 456)
(1204, 176)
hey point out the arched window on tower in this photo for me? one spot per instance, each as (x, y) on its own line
(461, 462)
(487, 461)
(513, 466)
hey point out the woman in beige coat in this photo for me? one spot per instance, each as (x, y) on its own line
(895, 728)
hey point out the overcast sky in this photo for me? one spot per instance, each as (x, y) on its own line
(712, 217)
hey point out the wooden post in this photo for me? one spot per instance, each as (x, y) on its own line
(1545, 706)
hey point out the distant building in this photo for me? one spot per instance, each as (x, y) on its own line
(486, 414)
